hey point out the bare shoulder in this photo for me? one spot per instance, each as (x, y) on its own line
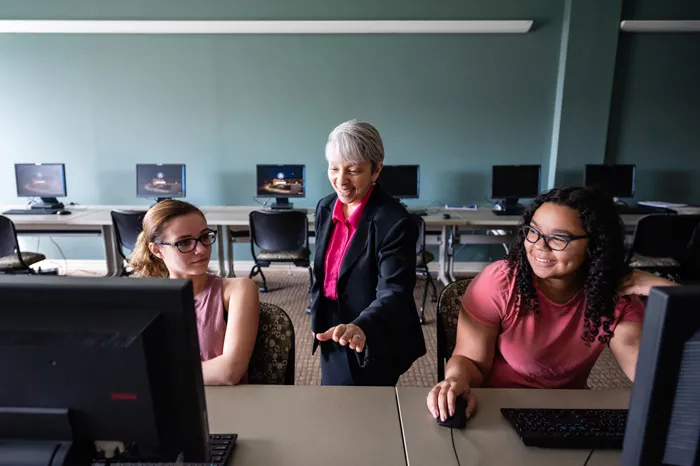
(241, 288)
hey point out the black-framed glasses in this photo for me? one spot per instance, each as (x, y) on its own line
(553, 242)
(190, 244)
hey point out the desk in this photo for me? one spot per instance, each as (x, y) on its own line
(97, 220)
(308, 425)
(488, 439)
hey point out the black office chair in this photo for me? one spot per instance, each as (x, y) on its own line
(281, 236)
(663, 243)
(423, 258)
(12, 260)
(127, 226)
(448, 308)
(690, 269)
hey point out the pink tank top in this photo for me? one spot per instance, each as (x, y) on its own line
(211, 325)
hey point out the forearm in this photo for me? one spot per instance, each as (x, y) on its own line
(464, 369)
(223, 370)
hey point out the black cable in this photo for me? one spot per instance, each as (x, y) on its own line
(65, 262)
(452, 434)
(589, 457)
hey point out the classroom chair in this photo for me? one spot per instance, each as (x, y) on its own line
(272, 361)
(448, 307)
(280, 236)
(423, 258)
(12, 260)
(127, 226)
(663, 243)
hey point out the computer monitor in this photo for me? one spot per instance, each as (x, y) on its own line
(616, 180)
(663, 423)
(511, 183)
(44, 180)
(281, 182)
(162, 181)
(401, 181)
(101, 359)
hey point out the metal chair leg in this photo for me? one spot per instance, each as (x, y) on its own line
(422, 304)
(311, 285)
(258, 270)
(432, 285)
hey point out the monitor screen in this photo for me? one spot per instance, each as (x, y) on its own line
(663, 423)
(515, 181)
(160, 180)
(616, 180)
(121, 356)
(281, 180)
(401, 181)
(40, 179)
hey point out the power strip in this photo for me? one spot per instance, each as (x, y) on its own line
(461, 207)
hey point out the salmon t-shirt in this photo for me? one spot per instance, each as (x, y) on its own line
(544, 351)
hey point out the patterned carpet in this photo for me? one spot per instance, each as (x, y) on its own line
(288, 289)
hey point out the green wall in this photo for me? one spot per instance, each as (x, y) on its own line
(456, 104)
(655, 118)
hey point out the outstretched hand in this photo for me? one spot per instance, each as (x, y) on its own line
(640, 283)
(346, 335)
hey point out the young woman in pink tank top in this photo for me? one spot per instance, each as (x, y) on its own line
(541, 317)
(176, 242)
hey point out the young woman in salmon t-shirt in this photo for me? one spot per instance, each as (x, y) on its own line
(541, 317)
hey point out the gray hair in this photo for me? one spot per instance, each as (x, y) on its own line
(354, 142)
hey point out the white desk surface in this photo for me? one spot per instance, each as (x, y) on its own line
(488, 438)
(308, 425)
(238, 216)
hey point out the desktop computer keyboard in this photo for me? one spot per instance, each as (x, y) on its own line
(569, 428)
(638, 209)
(30, 211)
(220, 448)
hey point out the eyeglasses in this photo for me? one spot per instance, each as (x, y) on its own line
(553, 242)
(190, 244)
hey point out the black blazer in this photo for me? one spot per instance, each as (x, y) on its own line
(375, 283)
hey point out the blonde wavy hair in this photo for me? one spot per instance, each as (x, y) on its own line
(142, 260)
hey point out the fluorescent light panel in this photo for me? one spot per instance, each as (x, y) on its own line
(660, 26)
(263, 27)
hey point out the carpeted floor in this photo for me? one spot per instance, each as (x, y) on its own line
(288, 289)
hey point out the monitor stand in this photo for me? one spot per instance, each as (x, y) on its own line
(161, 199)
(508, 206)
(23, 439)
(48, 203)
(282, 203)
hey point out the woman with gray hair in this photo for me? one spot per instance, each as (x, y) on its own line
(363, 314)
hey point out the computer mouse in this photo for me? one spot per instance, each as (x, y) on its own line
(459, 420)
(63, 212)
(446, 216)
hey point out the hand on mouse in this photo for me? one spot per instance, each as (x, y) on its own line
(441, 399)
(345, 334)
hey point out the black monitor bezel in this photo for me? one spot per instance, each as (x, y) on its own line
(63, 180)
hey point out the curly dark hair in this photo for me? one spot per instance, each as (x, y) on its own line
(605, 264)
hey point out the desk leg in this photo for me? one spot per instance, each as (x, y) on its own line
(111, 254)
(443, 253)
(221, 240)
(230, 244)
(451, 254)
